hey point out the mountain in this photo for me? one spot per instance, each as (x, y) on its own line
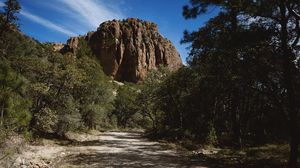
(128, 49)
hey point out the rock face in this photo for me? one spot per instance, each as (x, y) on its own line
(128, 49)
(57, 46)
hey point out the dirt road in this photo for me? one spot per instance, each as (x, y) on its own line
(110, 149)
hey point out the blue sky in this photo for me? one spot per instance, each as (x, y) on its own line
(57, 20)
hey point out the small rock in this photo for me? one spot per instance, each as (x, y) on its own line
(18, 160)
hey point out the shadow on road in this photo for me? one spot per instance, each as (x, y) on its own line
(126, 150)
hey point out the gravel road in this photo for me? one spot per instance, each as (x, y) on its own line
(110, 149)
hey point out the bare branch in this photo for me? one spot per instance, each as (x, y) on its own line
(297, 28)
(293, 12)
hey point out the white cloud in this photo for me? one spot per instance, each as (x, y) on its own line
(93, 12)
(47, 23)
(79, 16)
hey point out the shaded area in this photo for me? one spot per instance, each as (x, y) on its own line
(237, 162)
(265, 156)
(128, 159)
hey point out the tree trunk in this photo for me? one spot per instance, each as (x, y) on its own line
(288, 77)
(234, 106)
(154, 128)
(294, 145)
(235, 120)
(237, 127)
(2, 115)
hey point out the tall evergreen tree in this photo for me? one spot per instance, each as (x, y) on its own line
(8, 16)
(273, 27)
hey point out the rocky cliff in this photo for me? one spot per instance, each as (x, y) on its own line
(128, 49)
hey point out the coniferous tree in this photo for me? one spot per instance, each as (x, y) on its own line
(8, 16)
(274, 42)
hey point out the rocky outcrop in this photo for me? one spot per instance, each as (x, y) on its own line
(57, 46)
(128, 49)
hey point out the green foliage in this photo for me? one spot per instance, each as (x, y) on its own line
(137, 105)
(95, 94)
(68, 92)
(14, 107)
(125, 105)
(148, 97)
(252, 79)
(8, 16)
(211, 137)
(46, 120)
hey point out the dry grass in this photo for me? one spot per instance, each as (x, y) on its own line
(270, 155)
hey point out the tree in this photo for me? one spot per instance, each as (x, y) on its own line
(174, 99)
(148, 97)
(285, 18)
(8, 16)
(125, 105)
(224, 29)
(14, 106)
(94, 93)
(277, 23)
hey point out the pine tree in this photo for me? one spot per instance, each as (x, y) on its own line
(275, 31)
(8, 16)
